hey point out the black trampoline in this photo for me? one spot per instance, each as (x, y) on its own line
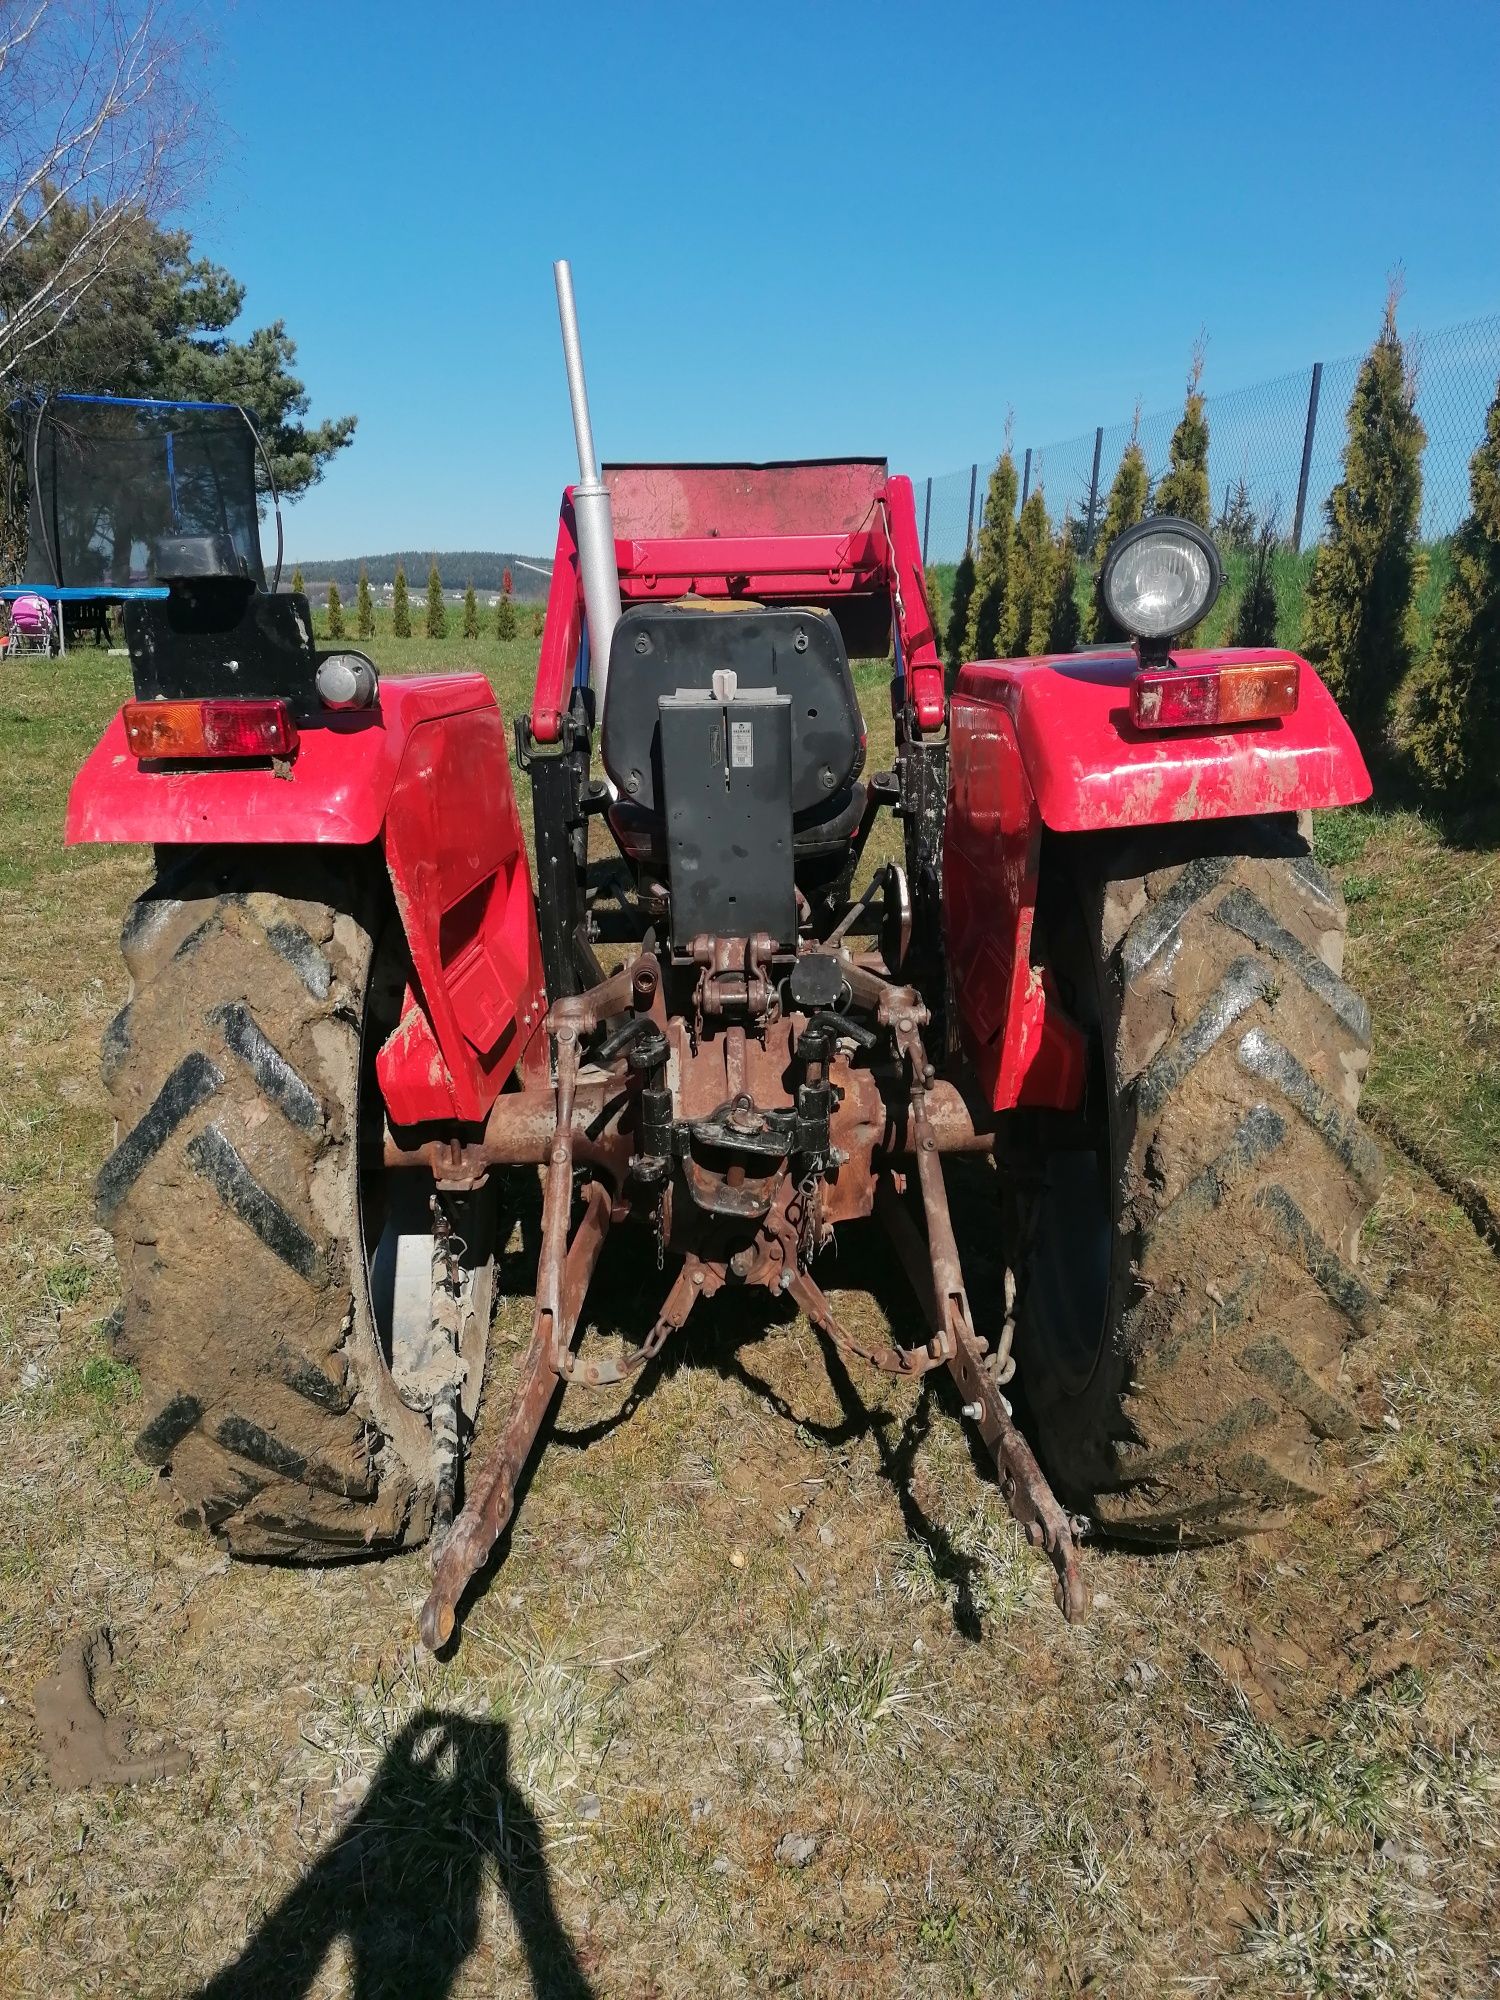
(113, 481)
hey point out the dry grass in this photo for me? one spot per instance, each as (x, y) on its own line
(1269, 1769)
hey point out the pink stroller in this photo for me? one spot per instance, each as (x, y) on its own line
(32, 626)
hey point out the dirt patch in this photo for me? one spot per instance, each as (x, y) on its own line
(81, 1744)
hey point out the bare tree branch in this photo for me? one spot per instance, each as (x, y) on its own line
(98, 128)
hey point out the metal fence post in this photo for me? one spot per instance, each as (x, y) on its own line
(926, 520)
(1088, 533)
(1307, 445)
(1026, 477)
(973, 487)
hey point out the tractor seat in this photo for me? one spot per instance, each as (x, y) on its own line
(658, 649)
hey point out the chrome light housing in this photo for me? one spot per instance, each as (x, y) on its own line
(347, 680)
(1160, 577)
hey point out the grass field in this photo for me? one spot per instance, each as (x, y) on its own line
(768, 1695)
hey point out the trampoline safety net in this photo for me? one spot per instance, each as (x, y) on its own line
(110, 477)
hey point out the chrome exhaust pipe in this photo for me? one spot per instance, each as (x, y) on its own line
(591, 509)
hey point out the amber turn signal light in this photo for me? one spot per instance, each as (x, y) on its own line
(164, 729)
(1214, 697)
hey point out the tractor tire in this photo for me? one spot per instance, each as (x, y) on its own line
(1189, 1278)
(236, 1073)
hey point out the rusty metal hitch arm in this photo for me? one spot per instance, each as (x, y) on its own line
(1022, 1481)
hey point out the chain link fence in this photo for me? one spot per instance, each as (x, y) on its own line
(1283, 439)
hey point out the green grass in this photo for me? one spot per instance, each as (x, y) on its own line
(831, 1693)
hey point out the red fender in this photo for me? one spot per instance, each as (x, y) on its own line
(425, 772)
(1090, 770)
(1049, 743)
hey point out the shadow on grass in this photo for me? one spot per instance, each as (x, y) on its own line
(1469, 826)
(406, 1881)
(622, 1301)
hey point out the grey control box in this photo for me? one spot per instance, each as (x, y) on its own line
(726, 769)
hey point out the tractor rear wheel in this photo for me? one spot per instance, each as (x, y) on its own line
(238, 1071)
(1188, 1260)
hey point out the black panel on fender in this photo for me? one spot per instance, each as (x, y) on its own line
(799, 653)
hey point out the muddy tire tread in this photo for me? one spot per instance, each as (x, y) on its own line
(1235, 1052)
(233, 1073)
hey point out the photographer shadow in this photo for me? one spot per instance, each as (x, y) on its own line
(404, 1882)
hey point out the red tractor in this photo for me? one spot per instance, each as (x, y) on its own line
(1107, 970)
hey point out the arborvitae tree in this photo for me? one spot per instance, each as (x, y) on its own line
(1451, 708)
(1236, 526)
(335, 613)
(1256, 614)
(1033, 562)
(1359, 627)
(364, 610)
(987, 634)
(400, 608)
(934, 606)
(1183, 490)
(1064, 619)
(297, 583)
(471, 612)
(505, 615)
(538, 622)
(958, 614)
(437, 609)
(1125, 506)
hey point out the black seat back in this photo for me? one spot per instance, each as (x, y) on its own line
(659, 648)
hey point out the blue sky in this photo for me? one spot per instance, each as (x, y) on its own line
(807, 230)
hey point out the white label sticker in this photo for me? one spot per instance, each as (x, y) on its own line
(741, 746)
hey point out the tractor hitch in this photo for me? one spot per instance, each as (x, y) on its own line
(746, 1132)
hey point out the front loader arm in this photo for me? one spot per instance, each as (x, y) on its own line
(917, 661)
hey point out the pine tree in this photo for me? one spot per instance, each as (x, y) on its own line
(1034, 560)
(1236, 526)
(437, 610)
(505, 614)
(1125, 506)
(955, 639)
(1064, 619)
(1183, 490)
(1360, 624)
(1256, 615)
(471, 612)
(335, 613)
(987, 634)
(298, 584)
(1451, 706)
(364, 610)
(400, 607)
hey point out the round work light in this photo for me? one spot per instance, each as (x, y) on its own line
(1160, 577)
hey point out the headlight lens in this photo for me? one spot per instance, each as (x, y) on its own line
(1160, 577)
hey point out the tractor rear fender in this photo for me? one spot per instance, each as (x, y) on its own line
(1049, 743)
(426, 774)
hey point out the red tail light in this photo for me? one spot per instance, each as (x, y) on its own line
(1214, 697)
(157, 729)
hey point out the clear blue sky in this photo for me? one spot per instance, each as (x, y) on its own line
(801, 230)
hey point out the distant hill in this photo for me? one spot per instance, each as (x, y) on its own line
(484, 568)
